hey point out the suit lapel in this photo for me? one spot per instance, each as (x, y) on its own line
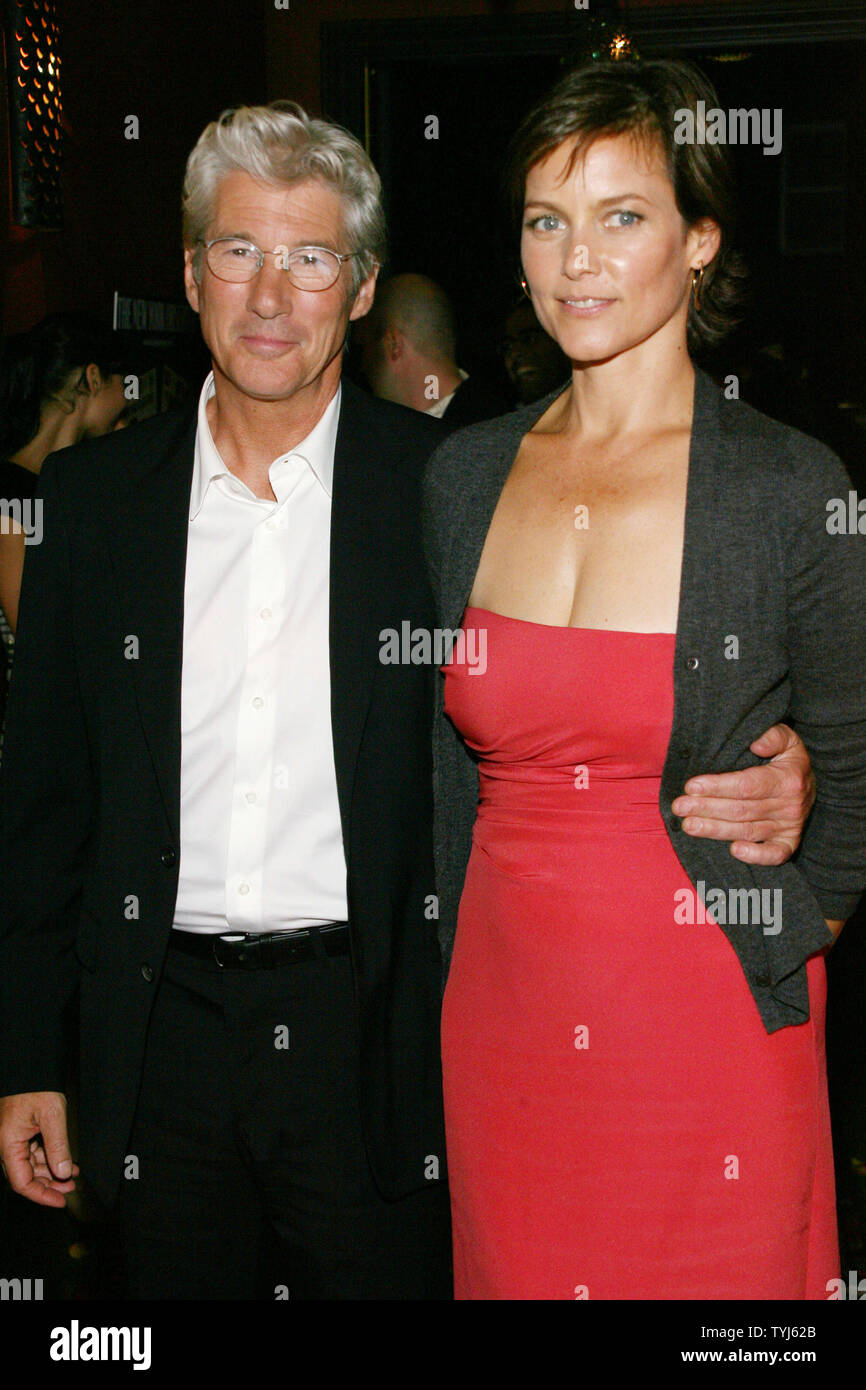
(148, 544)
(358, 574)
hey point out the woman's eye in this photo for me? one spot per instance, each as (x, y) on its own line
(547, 222)
(629, 219)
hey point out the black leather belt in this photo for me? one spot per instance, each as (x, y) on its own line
(264, 950)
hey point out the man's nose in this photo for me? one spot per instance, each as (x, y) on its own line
(270, 290)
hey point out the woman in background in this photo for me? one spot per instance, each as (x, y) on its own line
(59, 383)
(632, 1030)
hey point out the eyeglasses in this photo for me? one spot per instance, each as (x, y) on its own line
(308, 267)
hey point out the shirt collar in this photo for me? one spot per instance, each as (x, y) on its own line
(440, 407)
(317, 450)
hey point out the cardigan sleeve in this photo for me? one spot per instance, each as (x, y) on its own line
(437, 505)
(455, 774)
(826, 602)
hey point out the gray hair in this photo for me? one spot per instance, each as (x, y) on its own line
(281, 144)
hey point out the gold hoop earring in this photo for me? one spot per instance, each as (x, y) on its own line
(524, 286)
(697, 283)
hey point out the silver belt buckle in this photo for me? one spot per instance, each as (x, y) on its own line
(226, 937)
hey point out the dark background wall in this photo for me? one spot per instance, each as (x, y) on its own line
(175, 64)
(295, 36)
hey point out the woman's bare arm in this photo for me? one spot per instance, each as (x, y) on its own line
(11, 569)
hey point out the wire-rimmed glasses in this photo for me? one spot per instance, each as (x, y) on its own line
(308, 267)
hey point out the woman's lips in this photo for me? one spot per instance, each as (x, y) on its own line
(586, 306)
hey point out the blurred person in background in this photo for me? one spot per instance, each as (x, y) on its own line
(60, 383)
(409, 354)
(535, 363)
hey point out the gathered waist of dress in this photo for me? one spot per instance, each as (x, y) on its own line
(580, 792)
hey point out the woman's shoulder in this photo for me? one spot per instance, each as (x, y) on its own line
(767, 448)
(466, 451)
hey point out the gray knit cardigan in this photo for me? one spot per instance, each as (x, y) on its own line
(761, 563)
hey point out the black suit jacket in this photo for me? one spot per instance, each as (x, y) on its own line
(475, 399)
(90, 783)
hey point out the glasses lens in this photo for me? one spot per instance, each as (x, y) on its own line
(233, 260)
(313, 268)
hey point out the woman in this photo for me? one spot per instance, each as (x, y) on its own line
(59, 383)
(632, 1028)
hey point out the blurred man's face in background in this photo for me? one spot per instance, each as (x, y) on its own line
(372, 339)
(533, 361)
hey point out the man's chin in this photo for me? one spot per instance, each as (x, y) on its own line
(261, 385)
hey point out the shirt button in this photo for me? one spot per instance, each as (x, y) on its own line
(270, 526)
(257, 702)
(251, 797)
(168, 856)
(265, 613)
(243, 889)
(235, 487)
(676, 823)
(762, 981)
(692, 663)
(147, 973)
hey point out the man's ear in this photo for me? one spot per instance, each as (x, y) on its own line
(364, 298)
(393, 343)
(190, 283)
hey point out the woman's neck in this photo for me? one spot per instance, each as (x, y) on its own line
(58, 429)
(633, 393)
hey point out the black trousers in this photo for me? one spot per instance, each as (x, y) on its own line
(247, 1175)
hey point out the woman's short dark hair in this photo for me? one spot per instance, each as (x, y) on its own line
(35, 368)
(642, 99)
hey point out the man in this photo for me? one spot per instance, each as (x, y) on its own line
(408, 354)
(211, 741)
(534, 362)
(216, 799)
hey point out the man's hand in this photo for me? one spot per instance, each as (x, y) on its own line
(41, 1171)
(768, 803)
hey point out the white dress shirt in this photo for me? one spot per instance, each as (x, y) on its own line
(439, 409)
(261, 847)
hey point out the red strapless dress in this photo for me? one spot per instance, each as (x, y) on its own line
(619, 1123)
